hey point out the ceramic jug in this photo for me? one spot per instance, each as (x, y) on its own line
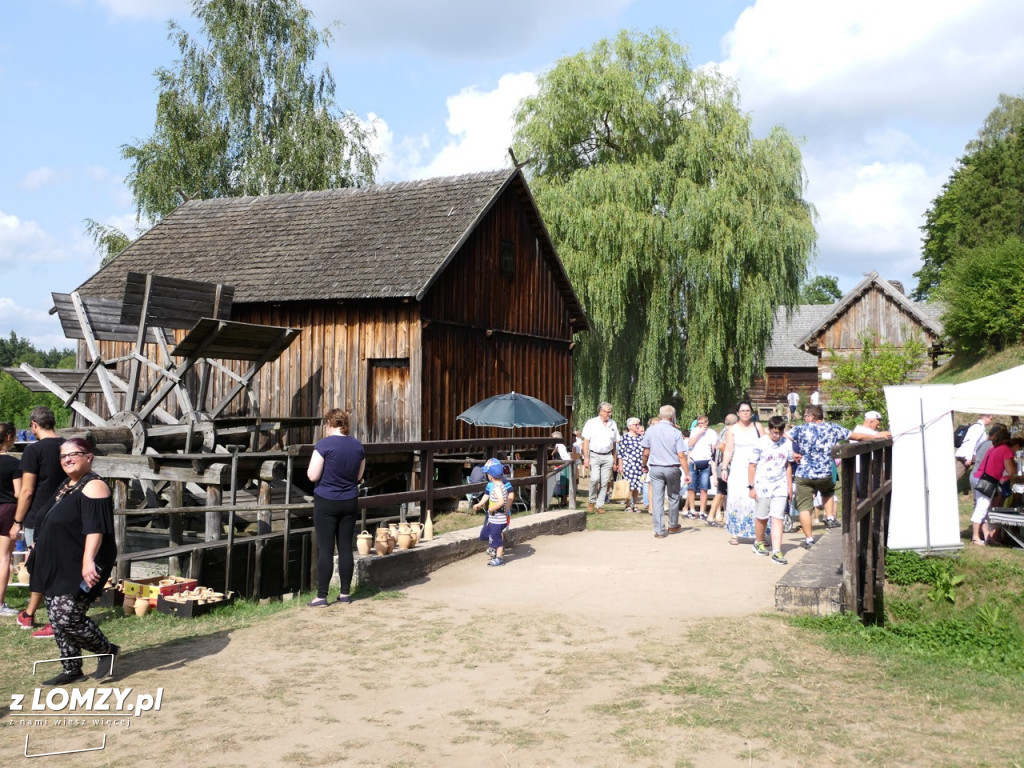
(405, 540)
(428, 528)
(364, 541)
(416, 529)
(23, 576)
(141, 607)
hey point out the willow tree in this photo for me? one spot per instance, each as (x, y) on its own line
(246, 112)
(680, 230)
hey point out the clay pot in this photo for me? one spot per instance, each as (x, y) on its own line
(405, 540)
(393, 530)
(382, 545)
(416, 529)
(23, 576)
(141, 607)
(166, 582)
(364, 542)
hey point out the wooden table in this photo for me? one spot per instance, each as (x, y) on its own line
(1011, 520)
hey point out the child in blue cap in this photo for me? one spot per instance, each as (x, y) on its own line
(498, 498)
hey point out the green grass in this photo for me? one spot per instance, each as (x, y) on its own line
(963, 367)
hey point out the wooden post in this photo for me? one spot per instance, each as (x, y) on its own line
(542, 470)
(120, 499)
(427, 467)
(214, 494)
(176, 493)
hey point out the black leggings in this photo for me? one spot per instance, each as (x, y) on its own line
(73, 630)
(335, 524)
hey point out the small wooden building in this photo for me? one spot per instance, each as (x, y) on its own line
(803, 343)
(414, 299)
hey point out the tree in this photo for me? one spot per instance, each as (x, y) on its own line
(982, 203)
(243, 112)
(821, 289)
(983, 293)
(108, 239)
(858, 380)
(680, 231)
(17, 402)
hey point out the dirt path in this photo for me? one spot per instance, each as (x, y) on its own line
(590, 649)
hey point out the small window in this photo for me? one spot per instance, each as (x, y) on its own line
(508, 258)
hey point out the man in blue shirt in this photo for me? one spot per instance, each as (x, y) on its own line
(665, 461)
(812, 447)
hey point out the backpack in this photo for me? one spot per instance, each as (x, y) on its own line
(959, 434)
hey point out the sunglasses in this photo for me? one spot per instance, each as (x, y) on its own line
(77, 454)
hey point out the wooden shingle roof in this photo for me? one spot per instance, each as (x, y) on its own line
(786, 332)
(381, 241)
(927, 317)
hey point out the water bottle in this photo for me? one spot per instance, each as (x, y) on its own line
(19, 544)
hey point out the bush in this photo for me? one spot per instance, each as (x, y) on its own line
(983, 290)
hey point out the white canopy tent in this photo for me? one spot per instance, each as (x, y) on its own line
(924, 513)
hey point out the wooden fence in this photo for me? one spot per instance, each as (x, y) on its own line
(866, 495)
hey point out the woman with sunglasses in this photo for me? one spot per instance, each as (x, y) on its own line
(74, 555)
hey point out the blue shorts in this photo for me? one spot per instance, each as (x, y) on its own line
(700, 476)
(493, 534)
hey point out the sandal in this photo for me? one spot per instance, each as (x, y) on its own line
(734, 541)
(979, 542)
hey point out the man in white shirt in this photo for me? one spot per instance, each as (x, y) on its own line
(872, 421)
(965, 453)
(816, 397)
(702, 442)
(793, 398)
(600, 445)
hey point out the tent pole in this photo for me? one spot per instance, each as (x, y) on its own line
(924, 464)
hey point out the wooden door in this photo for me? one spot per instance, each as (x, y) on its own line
(390, 416)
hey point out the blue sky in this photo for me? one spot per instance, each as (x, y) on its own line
(883, 95)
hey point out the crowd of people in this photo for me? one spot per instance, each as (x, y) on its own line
(742, 476)
(987, 456)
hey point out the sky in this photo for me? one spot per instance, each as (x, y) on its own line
(882, 96)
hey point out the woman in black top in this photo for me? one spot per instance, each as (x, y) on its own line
(10, 484)
(74, 555)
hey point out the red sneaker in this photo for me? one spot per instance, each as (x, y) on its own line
(46, 631)
(25, 621)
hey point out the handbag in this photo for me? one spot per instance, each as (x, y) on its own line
(620, 490)
(987, 485)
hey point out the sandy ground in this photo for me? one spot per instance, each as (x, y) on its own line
(518, 665)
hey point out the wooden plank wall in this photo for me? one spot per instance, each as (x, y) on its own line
(488, 334)
(877, 313)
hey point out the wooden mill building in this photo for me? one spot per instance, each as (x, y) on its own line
(414, 299)
(803, 343)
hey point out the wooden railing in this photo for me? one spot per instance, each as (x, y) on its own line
(865, 498)
(420, 457)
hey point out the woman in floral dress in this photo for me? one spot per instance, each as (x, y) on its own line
(632, 456)
(739, 510)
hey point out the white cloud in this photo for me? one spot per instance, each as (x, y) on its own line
(39, 178)
(36, 325)
(480, 129)
(24, 242)
(855, 61)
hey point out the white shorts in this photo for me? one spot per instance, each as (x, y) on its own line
(771, 506)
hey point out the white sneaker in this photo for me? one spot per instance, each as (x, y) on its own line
(6, 610)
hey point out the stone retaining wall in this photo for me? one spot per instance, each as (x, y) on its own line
(402, 566)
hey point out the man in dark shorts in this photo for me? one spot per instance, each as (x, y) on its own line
(41, 475)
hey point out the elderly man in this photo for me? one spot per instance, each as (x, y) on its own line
(965, 453)
(812, 447)
(872, 421)
(600, 454)
(665, 460)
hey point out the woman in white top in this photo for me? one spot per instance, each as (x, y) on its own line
(739, 510)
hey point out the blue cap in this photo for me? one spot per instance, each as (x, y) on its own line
(493, 468)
